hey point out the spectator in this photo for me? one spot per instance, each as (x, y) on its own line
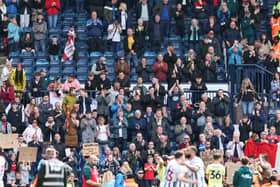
(160, 68)
(271, 62)
(236, 147)
(209, 69)
(90, 172)
(27, 43)
(109, 164)
(250, 56)
(13, 34)
(3, 9)
(119, 130)
(139, 87)
(99, 67)
(274, 22)
(17, 79)
(45, 107)
(218, 140)
(102, 134)
(70, 99)
(248, 24)
(182, 130)
(12, 7)
(95, 29)
(140, 33)
(110, 11)
(247, 95)
(137, 124)
(150, 169)
(233, 6)
(165, 11)
(265, 44)
(258, 118)
(213, 25)
(144, 12)
(170, 58)
(209, 131)
(155, 33)
(31, 130)
(114, 37)
(123, 17)
(59, 146)
(56, 88)
(200, 9)
(71, 82)
(91, 85)
(40, 30)
(88, 128)
(231, 34)
(84, 102)
(198, 86)
(54, 49)
(52, 7)
(37, 8)
(223, 15)
(186, 143)
(36, 86)
(158, 120)
(131, 49)
(5, 126)
(25, 12)
(143, 70)
(194, 32)
(244, 128)
(45, 79)
(179, 17)
(59, 119)
(4, 31)
(122, 66)
(221, 106)
(212, 40)
(273, 137)
(234, 55)
(227, 129)
(7, 93)
(72, 125)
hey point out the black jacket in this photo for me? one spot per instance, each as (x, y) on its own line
(231, 35)
(25, 5)
(39, 87)
(87, 101)
(134, 46)
(221, 106)
(215, 142)
(143, 72)
(139, 10)
(15, 119)
(53, 49)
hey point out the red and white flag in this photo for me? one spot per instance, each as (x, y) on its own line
(272, 150)
(70, 46)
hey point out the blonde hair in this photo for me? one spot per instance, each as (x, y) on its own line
(107, 177)
(244, 86)
(123, 5)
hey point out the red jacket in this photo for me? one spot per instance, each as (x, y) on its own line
(8, 96)
(160, 70)
(52, 10)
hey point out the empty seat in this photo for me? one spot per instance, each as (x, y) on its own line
(95, 54)
(82, 62)
(42, 62)
(27, 62)
(68, 63)
(68, 70)
(82, 70)
(27, 55)
(55, 70)
(82, 54)
(150, 54)
(28, 70)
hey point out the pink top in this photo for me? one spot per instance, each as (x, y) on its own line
(75, 83)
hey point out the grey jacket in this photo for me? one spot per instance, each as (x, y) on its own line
(103, 104)
(116, 127)
(88, 128)
(36, 30)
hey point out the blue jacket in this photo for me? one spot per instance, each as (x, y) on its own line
(114, 109)
(11, 7)
(94, 30)
(8, 128)
(223, 17)
(119, 182)
(238, 56)
(13, 31)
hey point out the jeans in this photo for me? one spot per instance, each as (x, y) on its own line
(131, 60)
(52, 20)
(40, 44)
(54, 58)
(13, 47)
(115, 47)
(24, 20)
(247, 107)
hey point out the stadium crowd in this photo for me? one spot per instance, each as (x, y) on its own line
(138, 128)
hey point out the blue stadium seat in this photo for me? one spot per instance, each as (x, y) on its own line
(109, 55)
(29, 77)
(68, 70)
(15, 61)
(150, 54)
(82, 62)
(42, 63)
(151, 61)
(27, 29)
(110, 69)
(55, 63)
(82, 54)
(82, 70)
(27, 55)
(68, 63)
(41, 55)
(28, 70)
(55, 70)
(82, 78)
(27, 62)
(95, 54)
(14, 54)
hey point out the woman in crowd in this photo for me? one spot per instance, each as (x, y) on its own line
(17, 79)
(275, 89)
(56, 88)
(7, 93)
(247, 96)
(29, 109)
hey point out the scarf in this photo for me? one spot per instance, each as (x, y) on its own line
(194, 33)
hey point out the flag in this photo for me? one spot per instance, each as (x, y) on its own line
(69, 47)
(272, 150)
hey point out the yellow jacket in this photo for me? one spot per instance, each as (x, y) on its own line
(17, 86)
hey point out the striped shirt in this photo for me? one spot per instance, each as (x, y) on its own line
(171, 172)
(199, 175)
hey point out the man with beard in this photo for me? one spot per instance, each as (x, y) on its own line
(90, 173)
(71, 82)
(5, 126)
(45, 107)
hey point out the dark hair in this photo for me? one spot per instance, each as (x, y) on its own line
(178, 154)
(19, 76)
(273, 178)
(244, 161)
(265, 156)
(216, 156)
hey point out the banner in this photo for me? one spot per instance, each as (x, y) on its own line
(8, 141)
(69, 47)
(28, 154)
(253, 148)
(90, 149)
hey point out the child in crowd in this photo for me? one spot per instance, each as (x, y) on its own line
(150, 169)
(54, 49)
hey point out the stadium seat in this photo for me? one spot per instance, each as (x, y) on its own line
(82, 70)
(42, 63)
(14, 54)
(95, 54)
(55, 71)
(27, 62)
(68, 63)
(82, 62)
(68, 70)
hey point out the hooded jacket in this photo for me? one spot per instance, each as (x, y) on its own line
(243, 177)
